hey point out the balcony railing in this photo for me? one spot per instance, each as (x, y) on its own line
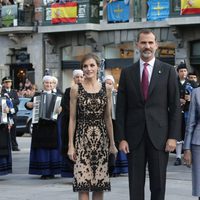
(87, 12)
(14, 15)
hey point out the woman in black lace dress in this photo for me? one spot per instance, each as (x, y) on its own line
(91, 128)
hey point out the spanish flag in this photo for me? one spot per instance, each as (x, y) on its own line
(190, 7)
(64, 13)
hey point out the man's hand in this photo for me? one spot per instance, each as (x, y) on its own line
(188, 157)
(170, 145)
(187, 97)
(183, 101)
(123, 146)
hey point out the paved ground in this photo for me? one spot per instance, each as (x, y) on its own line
(21, 186)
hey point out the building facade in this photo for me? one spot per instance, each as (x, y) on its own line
(30, 49)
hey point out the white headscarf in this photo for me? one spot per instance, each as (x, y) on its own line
(77, 72)
(55, 79)
(47, 78)
(109, 77)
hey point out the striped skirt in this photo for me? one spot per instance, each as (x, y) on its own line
(44, 161)
(121, 164)
(5, 151)
(6, 164)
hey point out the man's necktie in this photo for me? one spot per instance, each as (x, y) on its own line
(145, 81)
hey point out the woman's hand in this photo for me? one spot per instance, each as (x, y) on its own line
(188, 157)
(71, 153)
(59, 110)
(6, 109)
(30, 104)
(113, 150)
(9, 127)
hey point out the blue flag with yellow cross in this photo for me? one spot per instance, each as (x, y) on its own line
(158, 10)
(118, 11)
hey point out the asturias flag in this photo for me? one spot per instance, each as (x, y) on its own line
(118, 11)
(158, 10)
(190, 7)
(64, 13)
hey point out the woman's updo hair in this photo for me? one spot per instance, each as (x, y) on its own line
(90, 56)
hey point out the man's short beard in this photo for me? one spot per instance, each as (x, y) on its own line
(147, 55)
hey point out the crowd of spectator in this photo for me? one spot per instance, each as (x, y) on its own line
(6, 2)
(26, 89)
(26, 3)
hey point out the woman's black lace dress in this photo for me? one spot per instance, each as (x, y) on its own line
(91, 142)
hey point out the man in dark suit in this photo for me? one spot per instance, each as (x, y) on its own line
(10, 93)
(148, 118)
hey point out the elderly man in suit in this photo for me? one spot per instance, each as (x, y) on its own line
(148, 118)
